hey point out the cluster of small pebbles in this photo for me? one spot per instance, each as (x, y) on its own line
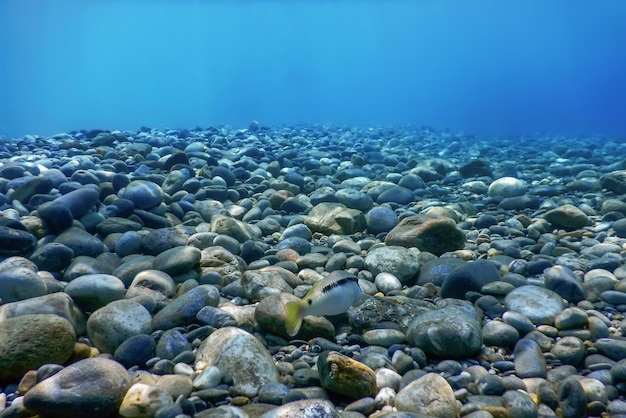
(145, 274)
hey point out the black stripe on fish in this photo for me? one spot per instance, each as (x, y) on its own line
(338, 283)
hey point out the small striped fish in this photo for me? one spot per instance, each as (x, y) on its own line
(331, 295)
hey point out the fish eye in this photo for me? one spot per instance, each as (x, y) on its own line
(309, 301)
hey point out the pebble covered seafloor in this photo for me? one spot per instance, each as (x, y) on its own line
(145, 274)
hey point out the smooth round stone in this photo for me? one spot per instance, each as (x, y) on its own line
(247, 361)
(469, 277)
(613, 297)
(499, 334)
(402, 262)
(210, 377)
(396, 194)
(16, 242)
(568, 217)
(436, 270)
(384, 337)
(595, 390)
(429, 395)
(135, 351)
(114, 323)
(144, 194)
(571, 318)
(497, 288)
(354, 199)
(154, 285)
(297, 230)
(306, 377)
(507, 187)
(387, 282)
(79, 201)
(450, 332)
(214, 317)
(539, 305)
(30, 341)
(93, 291)
(529, 360)
(612, 348)
(81, 242)
(92, 387)
(300, 245)
(56, 216)
(346, 376)
(572, 399)
(171, 344)
(519, 404)
(335, 218)
(177, 260)
(564, 282)
(273, 393)
(130, 267)
(144, 400)
(518, 321)
(304, 408)
(311, 261)
(433, 234)
(52, 257)
(387, 378)
(20, 283)
(569, 350)
(381, 219)
(266, 281)
(182, 311)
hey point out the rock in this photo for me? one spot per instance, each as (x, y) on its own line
(431, 395)
(183, 310)
(401, 262)
(476, 168)
(60, 304)
(144, 400)
(499, 334)
(81, 242)
(346, 376)
(93, 291)
(56, 216)
(569, 350)
(384, 337)
(270, 314)
(220, 261)
(572, 399)
(567, 217)
(144, 194)
(614, 181)
(469, 277)
(171, 344)
(375, 310)
(159, 240)
(266, 281)
(507, 187)
(435, 271)
(231, 227)
(449, 332)
(92, 387)
(16, 242)
(519, 404)
(30, 341)
(79, 201)
(305, 408)
(135, 351)
(529, 360)
(20, 283)
(177, 260)
(335, 218)
(114, 323)
(354, 199)
(538, 304)
(436, 235)
(52, 257)
(564, 282)
(380, 219)
(396, 194)
(154, 285)
(241, 355)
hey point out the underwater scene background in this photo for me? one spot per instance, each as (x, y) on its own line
(480, 67)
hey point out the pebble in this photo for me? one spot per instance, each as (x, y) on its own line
(93, 387)
(345, 376)
(178, 235)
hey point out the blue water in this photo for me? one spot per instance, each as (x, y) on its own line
(476, 66)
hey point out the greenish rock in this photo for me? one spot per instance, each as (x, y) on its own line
(567, 217)
(346, 376)
(177, 260)
(30, 341)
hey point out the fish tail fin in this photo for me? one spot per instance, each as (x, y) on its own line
(295, 313)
